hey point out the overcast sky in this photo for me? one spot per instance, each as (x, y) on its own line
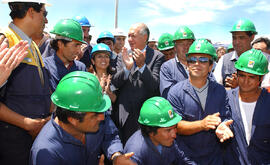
(211, 19)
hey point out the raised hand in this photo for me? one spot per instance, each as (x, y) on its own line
(127, 58)
(231, 81)
(139, 57)
(211, 121)
(223, 131)
(124, 159)
(10, 58)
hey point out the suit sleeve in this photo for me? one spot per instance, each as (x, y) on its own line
(118, 79)
(150, 77)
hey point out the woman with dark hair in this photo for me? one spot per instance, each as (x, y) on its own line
(100, 58)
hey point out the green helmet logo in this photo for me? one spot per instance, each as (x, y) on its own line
(68, 29)
(182, 33)
(80, 91)
(165, 42)
(202, 46)
(158, 112)
(252, 61)
(244, 25)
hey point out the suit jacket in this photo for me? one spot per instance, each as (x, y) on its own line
(137, 88)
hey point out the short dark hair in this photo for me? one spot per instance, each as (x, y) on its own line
(19, 9)
(54, 43)
(262, 39)
(146, 130)
(63, 115)
(249, 33)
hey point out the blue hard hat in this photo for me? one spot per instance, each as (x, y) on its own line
(82, 20)
(105, 35)
(100, 48)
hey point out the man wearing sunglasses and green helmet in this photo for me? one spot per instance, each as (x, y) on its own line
(203, 105)
(250, 110)
(79, 131)
(155, 142)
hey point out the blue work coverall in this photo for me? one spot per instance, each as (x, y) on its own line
(54, 146)
(258, 150)
(171, 72)
(202, 147)
(146, 153)
(58, 70)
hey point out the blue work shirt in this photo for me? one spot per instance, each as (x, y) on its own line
(146, 153)
(202, 147)
(58, 70)
(258, 150)
(171, 72)
(54, 146)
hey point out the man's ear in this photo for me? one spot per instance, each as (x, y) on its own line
(72, 121)
(30, 12)
(210, 67)
(60, 44)
(252, 37)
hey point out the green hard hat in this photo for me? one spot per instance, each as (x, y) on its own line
(80, 91)
(165, 41)
(252, 61)
(243, 25)
(68, 29)
(182, 33)
(202, 46)
(158, 112)
(230, 47)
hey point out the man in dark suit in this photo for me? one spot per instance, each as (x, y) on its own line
(137, 79)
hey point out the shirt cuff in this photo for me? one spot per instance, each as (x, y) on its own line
(126, 73)
(142, 68)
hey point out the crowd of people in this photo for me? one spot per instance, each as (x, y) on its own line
(177, 100)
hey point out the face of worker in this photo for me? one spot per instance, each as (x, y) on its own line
(108, 42)
(135, 38)
(69, 51)
(169, 54)
(101, 60)
(90, 122)
(164, 136)
(261, 46)
(182, 47)
(241, 42)
(199, 70)
(152, 45)
(119, 42)
(86, 31)
(248, 82)
(39, 19)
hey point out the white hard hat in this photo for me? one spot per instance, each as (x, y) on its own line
(119, 32)
(34, 1)
(152, 39)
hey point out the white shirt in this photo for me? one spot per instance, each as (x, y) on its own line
(247, 111)
(218, 69)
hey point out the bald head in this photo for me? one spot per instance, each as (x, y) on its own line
(138, 36)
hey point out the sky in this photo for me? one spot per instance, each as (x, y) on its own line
(212, 19)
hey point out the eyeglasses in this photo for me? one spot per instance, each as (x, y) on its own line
(193, 60)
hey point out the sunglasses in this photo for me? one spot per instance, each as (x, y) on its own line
(193, 60)
(45, 13)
